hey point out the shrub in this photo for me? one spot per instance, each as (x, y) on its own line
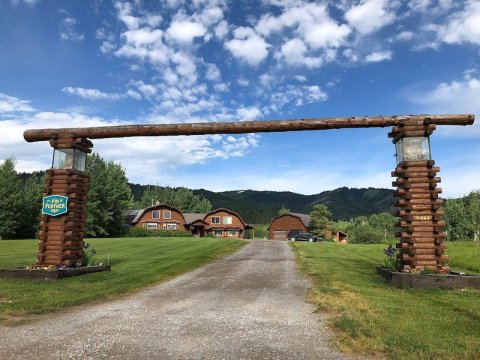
(141, 232)
(365, 234)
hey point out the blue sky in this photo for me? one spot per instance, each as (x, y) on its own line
(77, 63)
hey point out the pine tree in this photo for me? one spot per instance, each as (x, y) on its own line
(10, 199)
(31, 205)
(181, 198)
(320, 219)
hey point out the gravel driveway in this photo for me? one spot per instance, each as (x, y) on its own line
(247, 306)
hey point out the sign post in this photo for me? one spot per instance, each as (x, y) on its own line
(64, 204)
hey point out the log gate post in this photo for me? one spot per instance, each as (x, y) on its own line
(421, 226)
(61, 236)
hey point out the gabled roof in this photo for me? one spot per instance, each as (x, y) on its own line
(130, 215)
(304, 218)
(141, 212)
(190, 218)
(230, 212)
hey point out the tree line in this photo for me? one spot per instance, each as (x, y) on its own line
(109, 197)
(462, 216)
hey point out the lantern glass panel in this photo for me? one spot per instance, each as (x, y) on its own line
(413, 149)
(69, 159)
(80, 160)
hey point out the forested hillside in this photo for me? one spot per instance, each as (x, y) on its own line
(259, 207)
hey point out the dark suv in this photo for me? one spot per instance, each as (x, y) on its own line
(296, 235)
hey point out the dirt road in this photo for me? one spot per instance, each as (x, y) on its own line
(247, 306)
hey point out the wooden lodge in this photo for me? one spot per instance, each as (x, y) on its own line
(220, 222)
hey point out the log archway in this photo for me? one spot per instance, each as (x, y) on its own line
(421, 226)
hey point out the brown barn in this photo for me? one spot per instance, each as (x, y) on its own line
(283, 224)
(160, 216)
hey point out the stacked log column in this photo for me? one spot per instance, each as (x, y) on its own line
(61, 237)
(421, 226)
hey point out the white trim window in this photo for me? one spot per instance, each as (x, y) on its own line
(215, 219)
(172, 226)
(217, 232)
(233, 233)
(150, 225)
(227, 220)
(156, 214)
(167, 214)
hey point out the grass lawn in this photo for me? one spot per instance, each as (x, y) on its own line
(373, 317)
(136, 262)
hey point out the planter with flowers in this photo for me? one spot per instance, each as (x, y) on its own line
(425, 278)
(55, 272)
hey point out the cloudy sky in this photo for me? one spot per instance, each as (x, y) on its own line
(78, 63)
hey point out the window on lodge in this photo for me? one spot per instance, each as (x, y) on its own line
(217, 233)
(227, 220)
(232, 233)
(156, 214)
(150, 226)
(170, 226)
(215, 219)
(167, 214)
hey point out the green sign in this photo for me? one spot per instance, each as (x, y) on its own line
(55, 205)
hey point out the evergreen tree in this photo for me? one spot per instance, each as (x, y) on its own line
(108, 197)
(320, 219)
(283, 211)
(10, 199)
(31, 205)
(181, 198)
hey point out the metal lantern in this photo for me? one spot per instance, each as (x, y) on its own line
(413, 149)
(69, 158)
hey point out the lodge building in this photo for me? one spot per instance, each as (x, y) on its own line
(220, 222)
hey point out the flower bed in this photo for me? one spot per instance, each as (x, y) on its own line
(50, 273)
(452, 280)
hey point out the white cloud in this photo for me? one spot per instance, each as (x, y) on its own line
(30, 3)
(462, 27)
(301, 78)
(459, 96)
(185, 31)
(221, 30)
(248, 113)
(293, 52)
(378, 56)
(248, 45)
(91, 94)
(213, 72)
(9, 104)
(68, 29)
(404, 35)
(369, 16)
(133, 94)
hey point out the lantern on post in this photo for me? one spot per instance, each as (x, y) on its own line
(413, 149)
(421, 226)
(64, 203)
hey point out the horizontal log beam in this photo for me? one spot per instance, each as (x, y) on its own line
(243, 126)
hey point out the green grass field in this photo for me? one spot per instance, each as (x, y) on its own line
(373, 317)
(136, 262)
(464, 255)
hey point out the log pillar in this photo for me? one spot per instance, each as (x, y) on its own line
(61, 237)
(421, 227)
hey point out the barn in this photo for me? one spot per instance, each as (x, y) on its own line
(281, 225)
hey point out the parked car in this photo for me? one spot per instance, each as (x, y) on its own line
(296, 235)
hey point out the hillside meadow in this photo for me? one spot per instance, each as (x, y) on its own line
(136, 263)
(373, 317)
